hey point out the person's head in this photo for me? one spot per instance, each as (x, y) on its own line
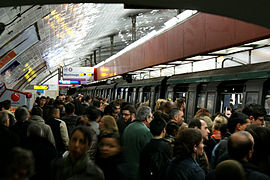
(109, 145)
(93, 113)
(256, 113)
(188, 142)
(116, 106)
(144, 115)
(237, 122)
(36, 110)
(240, 145)
(6, 104)
(35, 130)
(202, 112)
(42, 101)
(261, 154)
(22, 114)
(158, 127)
(79, 143)
(172, 128)
(177, 116)
(20, 165)
(54, 112)
(181, 103)
(219, 121)
(4, 120)
(108, 124)
(96, 103)
(69, 108)
(83, 121)
(229, 169)
(200, 125)
(128, 113)
(168, 106)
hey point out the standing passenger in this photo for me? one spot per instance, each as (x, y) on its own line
(77, 165)
(135, 136)
(188, 145)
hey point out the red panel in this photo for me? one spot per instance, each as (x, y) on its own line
(175, 43)
(222, 32)
(194, 35)
(201, 34)
(136, 57)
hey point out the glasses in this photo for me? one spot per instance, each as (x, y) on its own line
(125, 114)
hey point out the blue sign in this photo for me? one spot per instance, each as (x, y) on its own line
(68, 82)
(41, 91)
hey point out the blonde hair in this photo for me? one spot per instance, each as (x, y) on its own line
(159, 104)
(109, 124)
(219, 121)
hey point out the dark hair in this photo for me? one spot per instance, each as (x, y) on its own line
(114, 135)
(157, 125)
(6, 104)
(96, 103)
(185, 141)
(173, 112)
(129, 108)
(171, 128)
(195, 123)
(69, 108)
(36, 110)
(254, 110)
(3, 117)
(21, 114)
(239, 148)
(86, 133)
(261, 154)
(236, 118)
(93, 113)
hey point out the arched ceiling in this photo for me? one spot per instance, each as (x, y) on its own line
(67, 34)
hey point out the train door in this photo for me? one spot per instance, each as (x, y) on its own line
(139, 95)
(201, 97)
(191, 103)
(231, 95)
(180, 91)
(130, 95)
(146, 94)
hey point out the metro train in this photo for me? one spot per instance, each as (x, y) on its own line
(211, 89)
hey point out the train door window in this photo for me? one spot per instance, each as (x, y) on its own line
(170, 95)
(180, 92)
(201, 100)
(210, 102)
(252, 97)
(146, 94)
(157, 93)
(191, 104)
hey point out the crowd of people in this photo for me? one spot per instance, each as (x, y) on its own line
(89, 138)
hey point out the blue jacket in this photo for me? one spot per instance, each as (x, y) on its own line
(184, 169)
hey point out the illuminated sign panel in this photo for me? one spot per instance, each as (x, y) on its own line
(68, 82)
(40, 87)
(79, 73)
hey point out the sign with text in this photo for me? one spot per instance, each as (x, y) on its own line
(40, 87)
(79, 73)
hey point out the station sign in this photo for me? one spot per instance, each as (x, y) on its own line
(36, 87)
(68, 82)
(79, 73)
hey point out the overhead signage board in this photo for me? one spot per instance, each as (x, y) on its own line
(79, 73)
(36, 87)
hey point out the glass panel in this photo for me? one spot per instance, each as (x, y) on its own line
(201, 100)
(267, 104)
(211, 102)
(252, 98)
(191, 105)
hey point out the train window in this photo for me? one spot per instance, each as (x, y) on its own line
(252, 97)
(211, 102)
(267, 104)
(146, 94)
(201, 100)
(233, 100)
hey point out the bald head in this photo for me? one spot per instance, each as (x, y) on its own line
(240, 145)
